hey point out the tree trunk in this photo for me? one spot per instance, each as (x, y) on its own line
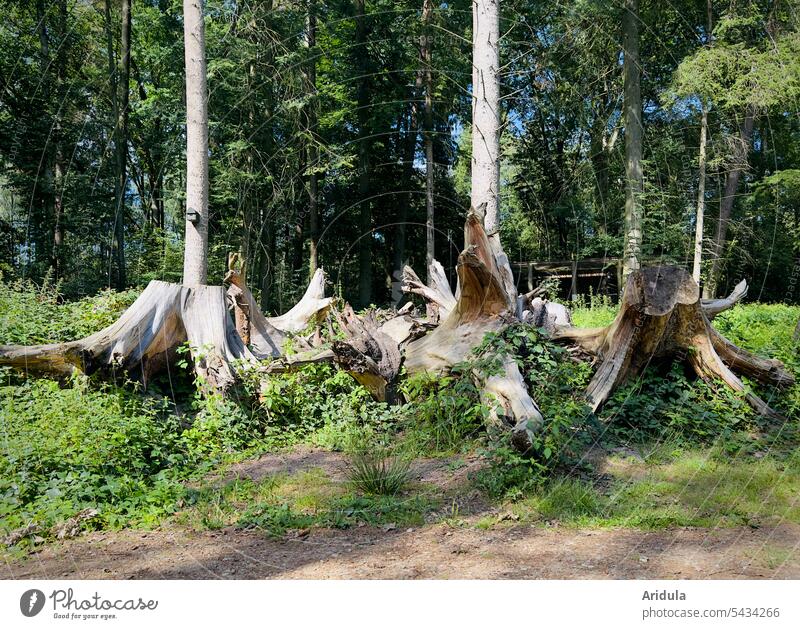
(365, 210)
(633, 138)
(701, 198)
(58, 152)
(45, 185)
(726, 203)
(701, 184)
(313, 150)
(485, 196)
(121, 141)
(195, 256)
(426, 52)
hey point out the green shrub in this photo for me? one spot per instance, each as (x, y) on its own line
(444, 411)
(670, 402)
(325, 406)
(592, 311)
(765, 329)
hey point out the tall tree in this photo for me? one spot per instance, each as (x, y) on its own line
(195, 253)
(426, 53)
(485, 195)
(701, 169)
(121, 92)
(311, 121)
(634, 180)
(365, 206)
(58, 144)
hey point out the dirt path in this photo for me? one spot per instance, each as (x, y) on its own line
(433, 551)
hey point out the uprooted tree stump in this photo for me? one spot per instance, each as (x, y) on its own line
(165, 316)
(484, 304)
(145, 337)
(663, 317)
(438, 296)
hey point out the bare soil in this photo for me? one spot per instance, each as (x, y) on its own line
(432, 551)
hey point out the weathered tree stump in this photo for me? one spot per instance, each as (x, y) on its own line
(483, 305)
(662, 317)
(146, 336)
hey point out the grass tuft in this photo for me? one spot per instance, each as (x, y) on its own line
(383, 476)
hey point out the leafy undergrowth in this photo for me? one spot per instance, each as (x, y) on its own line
(138, 458)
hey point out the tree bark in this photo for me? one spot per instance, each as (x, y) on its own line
(365, 209)
(426, 52)
(195, 256)
(701, 197)
(633, 138)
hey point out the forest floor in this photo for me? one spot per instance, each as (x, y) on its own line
(453, 532)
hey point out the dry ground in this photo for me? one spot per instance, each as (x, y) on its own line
(432, 551)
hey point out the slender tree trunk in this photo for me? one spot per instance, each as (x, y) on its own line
(633, 138)
(121, 142)
(485, 197)
(701, 183)
(44, 201)
(313, 151)
(195, 256)
(426, 52)
(701, 198)
(486, 113)
(410, 146)
(58, 179)
(726, 203)
(365, 213)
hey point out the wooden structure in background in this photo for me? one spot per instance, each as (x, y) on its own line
(603, 275)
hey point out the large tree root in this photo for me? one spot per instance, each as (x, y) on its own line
(438, 295)
(483, 305)
(662, 316)
(146, 336)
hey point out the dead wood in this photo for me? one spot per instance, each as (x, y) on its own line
(662, 317)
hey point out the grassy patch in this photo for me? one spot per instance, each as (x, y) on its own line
(303, 500)
(687, 488)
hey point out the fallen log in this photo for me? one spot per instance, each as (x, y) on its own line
(662, 317)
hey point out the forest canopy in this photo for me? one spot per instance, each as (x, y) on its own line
(324, 116)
